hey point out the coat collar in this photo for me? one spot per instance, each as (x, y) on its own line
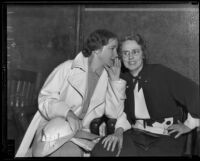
(80, 62)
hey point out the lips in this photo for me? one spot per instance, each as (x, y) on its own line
(132, 62)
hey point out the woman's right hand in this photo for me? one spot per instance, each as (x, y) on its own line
(74, 121)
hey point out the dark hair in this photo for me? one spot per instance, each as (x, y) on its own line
(97, 40)
(138, 38)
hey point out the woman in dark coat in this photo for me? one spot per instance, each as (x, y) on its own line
(162, 107)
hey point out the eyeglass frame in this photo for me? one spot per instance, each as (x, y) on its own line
(133, 52)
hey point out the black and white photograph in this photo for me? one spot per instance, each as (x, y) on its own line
(100, 79)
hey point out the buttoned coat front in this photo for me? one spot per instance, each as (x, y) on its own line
(65, 89)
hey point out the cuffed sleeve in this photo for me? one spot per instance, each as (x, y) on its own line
(118, 87)
(192, 122)
(122, 122)
(115, 103)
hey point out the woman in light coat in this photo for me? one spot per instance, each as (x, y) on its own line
(75, 93)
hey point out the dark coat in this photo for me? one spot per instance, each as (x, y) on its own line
(165, 92)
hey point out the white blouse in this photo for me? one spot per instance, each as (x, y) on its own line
(141, 112)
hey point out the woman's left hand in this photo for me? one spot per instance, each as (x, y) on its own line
(113, 139)
(180, 128)
(114, 71)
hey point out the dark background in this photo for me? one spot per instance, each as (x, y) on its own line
(46, 35)
(39, 37)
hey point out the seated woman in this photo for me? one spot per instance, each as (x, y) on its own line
(75, 93)
(157, 99)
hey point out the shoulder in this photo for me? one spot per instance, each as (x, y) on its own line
(64, 67)
(158, 68)
(162, 72)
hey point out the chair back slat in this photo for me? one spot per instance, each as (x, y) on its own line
(21, 88)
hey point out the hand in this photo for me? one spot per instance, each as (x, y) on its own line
(114, 71)
(102, 129)
(180, 128)
(113, 139)
(74, 121)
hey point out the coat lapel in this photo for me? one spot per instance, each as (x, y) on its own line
(78, 76)
(78, 80)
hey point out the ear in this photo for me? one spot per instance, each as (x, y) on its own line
(96, 52)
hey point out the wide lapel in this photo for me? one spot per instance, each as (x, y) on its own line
(78, 76)
(99, 92)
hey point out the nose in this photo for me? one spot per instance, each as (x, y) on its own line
(131, 56)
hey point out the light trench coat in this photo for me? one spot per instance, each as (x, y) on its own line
(64, 90)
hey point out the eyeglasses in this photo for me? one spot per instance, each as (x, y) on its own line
(134, 52)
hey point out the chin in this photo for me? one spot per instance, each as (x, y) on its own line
(131, 67)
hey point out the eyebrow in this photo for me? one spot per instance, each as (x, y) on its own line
(131, 49)
(113, 46)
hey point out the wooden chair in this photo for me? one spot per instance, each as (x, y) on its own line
(21, 102)
(110, 125)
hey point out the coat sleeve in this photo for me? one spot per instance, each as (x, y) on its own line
(183, 90)
(115, 98)
(50, 104)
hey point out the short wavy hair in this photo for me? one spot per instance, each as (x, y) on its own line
(97, 40)
(139, 39)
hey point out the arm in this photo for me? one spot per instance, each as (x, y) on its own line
(50, 103)
(115, 103)
(116, 96)
(183, 90)
(115, 107)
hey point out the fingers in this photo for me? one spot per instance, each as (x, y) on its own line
(107, 142)
(179, 134)
(111, 141)
(114, 70)
(114, 144)
(173, 131)
(119, 147)
(180, 128)
(75, 124)
(80, 125)
(107, 69)
(171, 127)
(118, 153)
(117, 62)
